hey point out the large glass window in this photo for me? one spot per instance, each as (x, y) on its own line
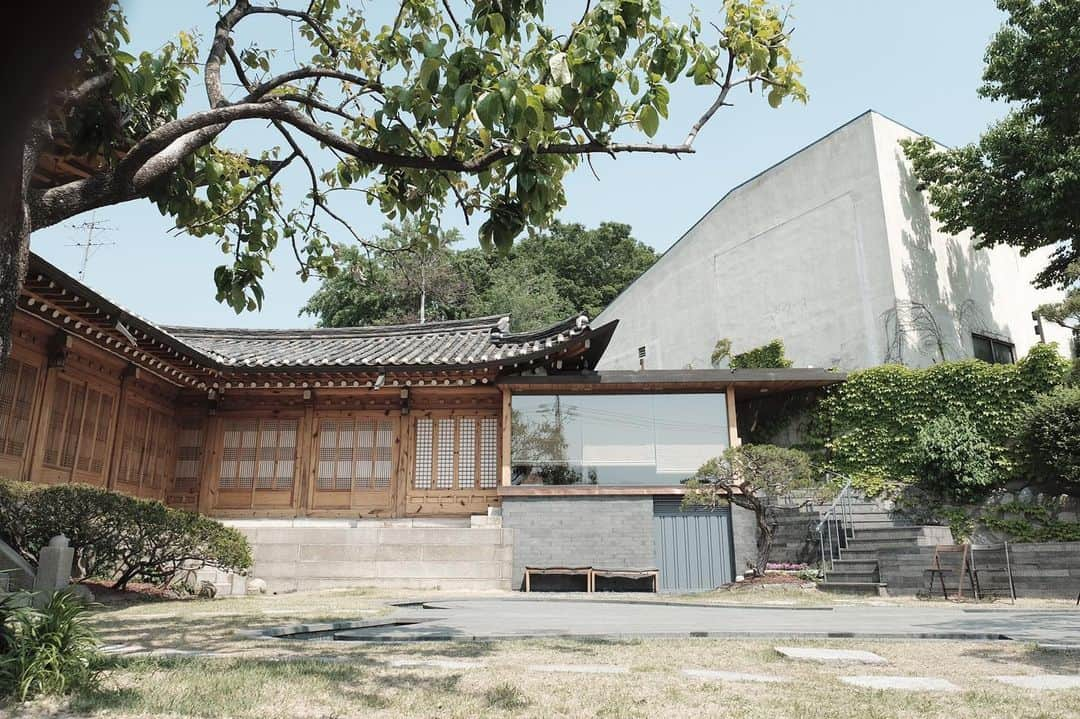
(638, 439)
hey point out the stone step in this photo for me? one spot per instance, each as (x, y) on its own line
(863, 588)
(855, 565)
(851, 577)
(853, 554)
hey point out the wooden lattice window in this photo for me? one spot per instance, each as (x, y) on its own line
(145, 447)
(189, 444)
(94, 441)
(424, 439)
(355, 454)
(17, 383)
(259, 453)
(456, 453)
(132, 444)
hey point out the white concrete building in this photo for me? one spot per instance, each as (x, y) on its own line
(834, 251)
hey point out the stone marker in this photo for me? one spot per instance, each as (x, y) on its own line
(579, 668)
(1042, 681)
(831, 656)
(908, 684)
(720, 676)
(437, 663)
(54, 565)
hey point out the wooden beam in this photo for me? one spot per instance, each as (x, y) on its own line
(732, 418)
(505, 470)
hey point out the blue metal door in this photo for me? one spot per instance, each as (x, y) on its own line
(694, 550)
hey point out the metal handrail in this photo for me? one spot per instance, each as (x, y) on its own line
(839, 516)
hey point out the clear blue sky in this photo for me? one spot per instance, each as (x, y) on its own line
(917, 61)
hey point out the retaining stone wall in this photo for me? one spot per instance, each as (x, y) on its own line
(308, 555)
(1045, 570)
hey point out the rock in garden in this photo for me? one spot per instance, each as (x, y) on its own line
(256, 586)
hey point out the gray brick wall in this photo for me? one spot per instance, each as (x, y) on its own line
(609, 532)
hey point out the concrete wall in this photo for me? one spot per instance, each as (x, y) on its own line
(1046, 570)
(299, 554)
(967, 290)
(608, 532)
(823, 250)
(744, 539)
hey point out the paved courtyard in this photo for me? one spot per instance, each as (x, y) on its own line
(515, 618)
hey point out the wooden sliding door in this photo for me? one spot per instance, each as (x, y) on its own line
(355, 462)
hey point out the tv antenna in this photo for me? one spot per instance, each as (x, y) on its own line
(90, 245)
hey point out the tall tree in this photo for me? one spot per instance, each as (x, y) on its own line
(404, 276)
(589, 267)
(1019, 184)
(476, 102)
(545, 278)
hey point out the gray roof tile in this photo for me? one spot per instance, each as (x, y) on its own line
(455, 343)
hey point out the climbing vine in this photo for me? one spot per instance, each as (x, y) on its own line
(870, 423)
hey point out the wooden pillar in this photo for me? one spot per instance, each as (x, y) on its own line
(210, 464)
(307, 458)
(131, 375)
(505, 423)
(733, 426)
(402, 471)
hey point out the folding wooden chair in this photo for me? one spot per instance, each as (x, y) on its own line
(957, 560)
(994, 561)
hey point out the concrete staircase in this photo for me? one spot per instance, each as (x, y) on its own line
(876, 528)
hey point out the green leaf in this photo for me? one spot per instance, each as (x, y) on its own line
(463, 97)
(560, 69)
(648, 120)
(489, 108)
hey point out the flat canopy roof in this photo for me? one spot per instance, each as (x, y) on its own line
(761, 381)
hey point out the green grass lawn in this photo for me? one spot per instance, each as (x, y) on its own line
(265, 679)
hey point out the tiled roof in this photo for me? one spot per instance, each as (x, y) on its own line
(455, 343)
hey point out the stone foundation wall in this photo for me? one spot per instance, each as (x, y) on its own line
(292, 555)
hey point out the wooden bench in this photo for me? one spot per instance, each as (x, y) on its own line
(653, 574)
(591, 574)
(565, 571)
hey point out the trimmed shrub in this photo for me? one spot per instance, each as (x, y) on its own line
(952, 459)
(46, 651)
(1047, 446)
(115, 536)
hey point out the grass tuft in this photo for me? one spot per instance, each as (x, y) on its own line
(506, 696)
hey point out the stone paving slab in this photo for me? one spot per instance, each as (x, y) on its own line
(831, 656)
(1042, 681)
(122, 648)
(908, 684)
(721, 676)
(579, 668)
(436, 663)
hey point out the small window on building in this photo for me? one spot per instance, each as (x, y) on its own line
(189, 441)
(454, 453)
(992, 350)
